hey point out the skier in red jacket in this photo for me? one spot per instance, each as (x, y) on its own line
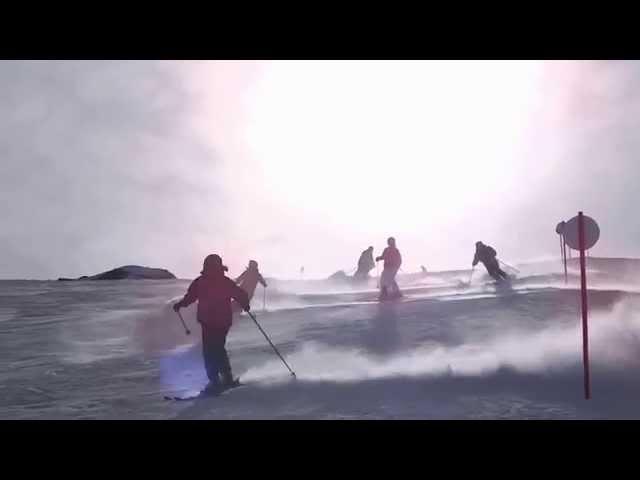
(214, 291)
(392, 261)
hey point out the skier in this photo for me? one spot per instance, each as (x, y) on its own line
(250, 278)
(248, 281)
(487, 256)
(214, 291)
(392, 261)
(365, 265)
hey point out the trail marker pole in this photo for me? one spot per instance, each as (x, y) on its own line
(581, 233)
(585, 323)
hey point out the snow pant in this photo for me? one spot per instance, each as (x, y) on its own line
(493, 269)
(361, 276)
(388, 285)
(235, 307)
(216, 360)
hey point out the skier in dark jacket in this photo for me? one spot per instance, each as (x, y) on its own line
(365, 265)
(487, 256)
(214, 291)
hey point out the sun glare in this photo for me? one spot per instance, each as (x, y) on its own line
(365, 140)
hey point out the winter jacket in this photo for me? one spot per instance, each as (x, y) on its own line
(214, 294)
(484, 254)
(392, 258)
(249, 279)
(366, 263)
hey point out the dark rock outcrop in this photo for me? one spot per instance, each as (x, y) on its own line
(339, 276)
(129, 272)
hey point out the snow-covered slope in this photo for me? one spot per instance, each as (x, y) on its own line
(114, 349)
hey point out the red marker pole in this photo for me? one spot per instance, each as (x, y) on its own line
(585, 328)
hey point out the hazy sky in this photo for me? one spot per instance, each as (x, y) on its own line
(307, 163)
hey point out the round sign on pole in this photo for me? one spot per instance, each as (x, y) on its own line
(591, 233)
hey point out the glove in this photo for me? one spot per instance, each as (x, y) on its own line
(176, 307)
(247, 308)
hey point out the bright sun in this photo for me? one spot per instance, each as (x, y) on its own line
(363, 141)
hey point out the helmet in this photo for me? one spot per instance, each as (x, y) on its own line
(253, 264)
(213, 263)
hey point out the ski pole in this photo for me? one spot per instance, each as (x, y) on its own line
(377, 276)
(271, 343)
(264, 298)
(187, 331)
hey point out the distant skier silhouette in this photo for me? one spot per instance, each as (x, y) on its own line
(487, 256)
(392, 261)
(250, 278)
(365, 265)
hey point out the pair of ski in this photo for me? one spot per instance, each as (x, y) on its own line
(207, 393)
